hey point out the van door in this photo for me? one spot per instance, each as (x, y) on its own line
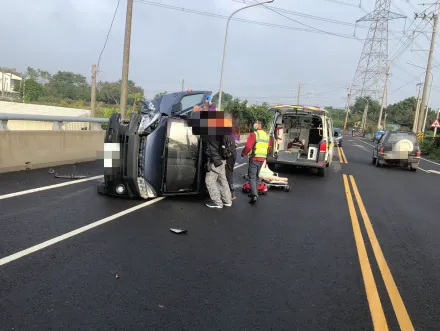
(272, 133)
(330, 141)
(182, 158)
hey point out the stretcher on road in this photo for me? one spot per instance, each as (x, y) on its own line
(272, 179)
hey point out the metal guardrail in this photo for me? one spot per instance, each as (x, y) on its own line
(57, 120)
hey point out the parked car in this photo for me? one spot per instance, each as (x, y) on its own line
(301, 136)
(398, 148)
(158, 153)
(337, 137)
(377, 135)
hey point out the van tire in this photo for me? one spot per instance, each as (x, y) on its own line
(321, 172)
(378, 164)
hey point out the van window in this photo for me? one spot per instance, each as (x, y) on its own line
(191, 100)
(395, 137)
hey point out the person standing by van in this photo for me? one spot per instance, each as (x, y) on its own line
(257, 145)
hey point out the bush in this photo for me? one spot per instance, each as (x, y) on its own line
(429, 149)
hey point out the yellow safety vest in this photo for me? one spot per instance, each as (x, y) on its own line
(261, 145)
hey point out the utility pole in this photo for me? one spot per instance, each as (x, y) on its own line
(364, 116)
(24, 88)
(126, 59)
(299, 91)
(347, 108)
(383, 97)
(3, 84)
(416, 115)
(93, 93)
(183, 84)
(423, 108)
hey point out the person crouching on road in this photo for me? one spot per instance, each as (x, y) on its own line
(258, 144)
(215, 179)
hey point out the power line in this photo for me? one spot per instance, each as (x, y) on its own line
(108, 34)
(309, 26)
(343, 3)
(286, 27)
(406, 84)
(313, 17)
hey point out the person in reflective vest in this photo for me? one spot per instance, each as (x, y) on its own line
(257, 145)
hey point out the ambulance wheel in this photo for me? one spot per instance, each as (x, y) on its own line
(287, 188)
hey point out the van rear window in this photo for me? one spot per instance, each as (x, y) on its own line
(394, 137)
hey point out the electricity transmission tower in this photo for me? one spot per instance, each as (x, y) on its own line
(371, 71)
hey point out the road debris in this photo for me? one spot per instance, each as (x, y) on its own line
(117, 276)
(51, 171)
(71, 176)
(178, 231)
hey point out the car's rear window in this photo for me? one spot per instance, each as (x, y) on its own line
(394, 137)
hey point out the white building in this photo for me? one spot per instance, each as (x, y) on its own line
(9, 81)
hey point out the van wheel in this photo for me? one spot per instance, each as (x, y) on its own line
(410, 167)
(287, 188)
(373, 160)
(321, 172)
(378, 164)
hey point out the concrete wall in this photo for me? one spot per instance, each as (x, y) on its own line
(21, 150)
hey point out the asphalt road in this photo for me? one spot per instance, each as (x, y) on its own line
(302, 260)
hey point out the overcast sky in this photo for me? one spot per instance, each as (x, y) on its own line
(262, 64)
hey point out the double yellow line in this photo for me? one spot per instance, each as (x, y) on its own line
(342, 158)
(376, 310)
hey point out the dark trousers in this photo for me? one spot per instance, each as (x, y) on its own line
(230, 163)
(254, 173)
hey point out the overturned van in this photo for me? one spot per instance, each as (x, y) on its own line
(155, 153)
(301, 136)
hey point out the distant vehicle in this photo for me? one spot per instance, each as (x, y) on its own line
(158, 154)
(302, 136)
(377, 135)
(337, 137)
(398, 148)
(357, 132)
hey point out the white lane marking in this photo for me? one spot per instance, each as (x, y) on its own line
(70, 234)
(433, 172)
(430, 161)
(239, 165)
(364, 142)
(427, 171)
(420, 158)
(49, 187)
